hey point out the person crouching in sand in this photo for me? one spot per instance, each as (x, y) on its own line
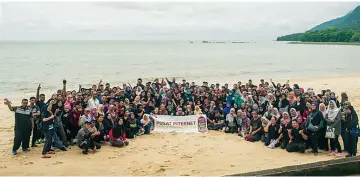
(297, 138)
(84, 138)
(117, 136)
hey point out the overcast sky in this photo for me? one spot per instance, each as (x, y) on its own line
(163, 20)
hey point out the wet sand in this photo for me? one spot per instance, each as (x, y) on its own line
(165, 154)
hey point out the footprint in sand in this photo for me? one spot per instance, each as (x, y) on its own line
(3, 167)
(111, 157)
(160, 170)
(28, 163)
(57, 163)
(232, 165)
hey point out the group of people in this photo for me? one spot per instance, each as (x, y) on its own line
(279, 115)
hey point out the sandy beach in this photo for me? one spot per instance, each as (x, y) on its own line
(160, 154)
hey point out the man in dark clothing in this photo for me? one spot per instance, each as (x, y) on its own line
(272, 130)
(313, 125)
(23, 125)
(297, 139)
(36, 133)
(255, 127)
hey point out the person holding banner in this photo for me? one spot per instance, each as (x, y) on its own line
(146, 124)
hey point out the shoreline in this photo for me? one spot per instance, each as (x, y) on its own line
(326, 43)
(175, 154)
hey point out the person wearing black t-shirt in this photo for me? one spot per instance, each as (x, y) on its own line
(297, 138)
(272, 130)
(255, 128)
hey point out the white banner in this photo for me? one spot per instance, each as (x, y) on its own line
(186, 124)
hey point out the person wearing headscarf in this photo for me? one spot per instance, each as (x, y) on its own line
(227, 108)
(237, 99)
(314, 126)
(230, 122)
(293, 114)
(230, 97)
(268, 113)
(117, 136)
(333, 97)
(133, 127)
(344, 98)
(323, 142)
(333, 120)
(351, 123)
(275, 113)
(284, 104)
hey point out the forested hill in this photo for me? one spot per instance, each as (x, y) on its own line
(343, 29)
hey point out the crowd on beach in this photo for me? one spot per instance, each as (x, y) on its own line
(281, 116)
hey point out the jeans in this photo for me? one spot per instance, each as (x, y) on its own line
(147, 128)
(22, 137)
(56, 141)
(334, 143)
(48, 140)
(60, 130)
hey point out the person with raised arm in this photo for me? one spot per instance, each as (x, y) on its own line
(36, 133)
(23, 125)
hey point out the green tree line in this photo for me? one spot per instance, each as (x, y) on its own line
(330, 35)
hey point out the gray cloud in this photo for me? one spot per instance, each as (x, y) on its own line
(163, 20)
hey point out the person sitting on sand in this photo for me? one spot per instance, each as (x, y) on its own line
(117, 136)
(230, 122)
(216, 123)
(272, 140)
(255, 128)
(264, 123)
(133, 127)
(297, 138)
(245, 125)
(85, 138)
(146, 124)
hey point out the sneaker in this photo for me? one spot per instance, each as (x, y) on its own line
(63, 149)
(85, 152)
(26, 150)
(37, 142)
(14, 153)
(332, 153)
(339, 154)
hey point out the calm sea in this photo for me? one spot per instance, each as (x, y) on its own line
(26, 64)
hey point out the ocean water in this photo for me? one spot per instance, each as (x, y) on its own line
(24, 65)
